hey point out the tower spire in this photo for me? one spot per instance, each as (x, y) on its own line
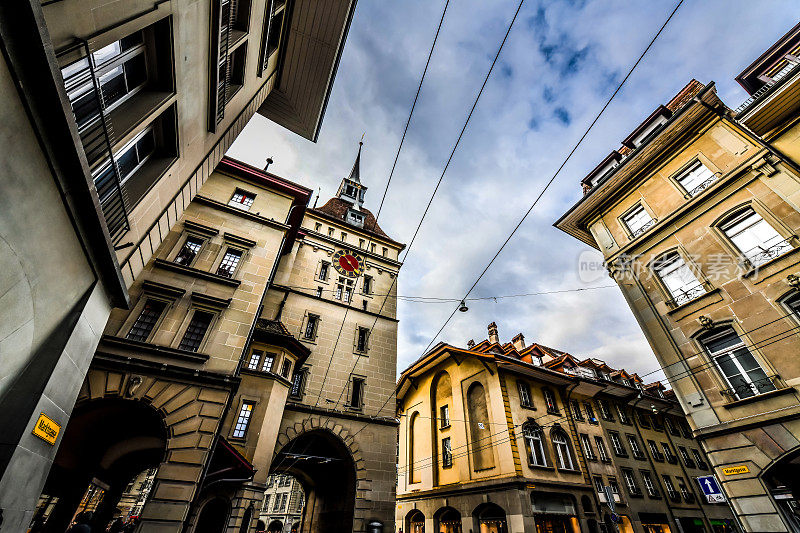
(351, 190)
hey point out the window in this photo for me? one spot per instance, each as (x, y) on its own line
(444, 416)
(686, 492)
(576, 410)
(310, 332)
(447, 453)
(146, 321)
(356, 393)
(681, 283)
(616, 443)
(550, 401)
(671, 492)
(266, 500)
(561, 445)
(701, 464)
(605, 411)
(269, 362)
(599, 486)
(344, 237)
(364, 305)
(744, 375)
(634, 444)
(366, 288)
(385, 251)
(330, 232)
(612, 482)
(318, 227)
(601, 449)
(638, 221)
(655, 419)
(590, 413)
(318, 292)
(273, 30)
(652, 491)
(243, 420)
(668, 453)
(372, 248)
(654, 451)
(685, 456)
(242, 200)
(792, 304)
(344, 289)
(324, 268)
(230, 20)
(362, 340)
(685, 429)
(298, 384)
(361, 243)
(255, 358)
(229, 262)
(535, 444)
(754, 237)
(586, 444)
(644, 419)
(189, 250)
(524, 394)
(696, 179)
(671, 426)
(196, 331)
(286, 368)
(630, 482)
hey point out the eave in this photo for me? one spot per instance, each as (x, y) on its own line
(313, 48)
(774, 108)
(637, 166)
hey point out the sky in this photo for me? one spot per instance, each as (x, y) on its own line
(562, 60)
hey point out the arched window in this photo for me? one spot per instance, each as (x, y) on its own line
(737, 365)
(679, 280)
(754, 237)
(414, 427)
(534, 442)
(564, 457)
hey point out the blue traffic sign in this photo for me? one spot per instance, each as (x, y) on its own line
(710, 487)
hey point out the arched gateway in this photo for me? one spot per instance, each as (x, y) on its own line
(327, 464)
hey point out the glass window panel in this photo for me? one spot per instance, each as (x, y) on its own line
(107, 52)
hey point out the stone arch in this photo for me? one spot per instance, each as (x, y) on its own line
(328, 463)
(173, 425)
(781, 477)
(441, 396)
(479, 427)
(414, 447)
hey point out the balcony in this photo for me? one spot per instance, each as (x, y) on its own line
(646, 226)
(688, 294)
(759, 255)
(784, 74)
(703, 186)
(753, 389)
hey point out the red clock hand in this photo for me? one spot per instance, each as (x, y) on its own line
(352, 261)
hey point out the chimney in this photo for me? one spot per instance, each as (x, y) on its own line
(519, 342)
(470, 344)
(493, 337)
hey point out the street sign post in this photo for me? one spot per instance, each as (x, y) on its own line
(711, 489)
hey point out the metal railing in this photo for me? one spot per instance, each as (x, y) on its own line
(96, 136)
(754, 388)
(758, 255)
(644, 227)
(783, 74)
(704, 185)
(687, 295)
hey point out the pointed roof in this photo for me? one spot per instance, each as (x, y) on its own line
(355, 173)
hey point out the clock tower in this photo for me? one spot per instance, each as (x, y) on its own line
(336, 291)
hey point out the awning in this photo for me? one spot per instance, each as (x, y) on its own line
(227, 465)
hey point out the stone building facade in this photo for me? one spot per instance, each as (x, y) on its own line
(118, 114)
(697, 217)
(284, 501)
(508, 437)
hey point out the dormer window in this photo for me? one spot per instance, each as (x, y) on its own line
(649, 128)
(355, 218)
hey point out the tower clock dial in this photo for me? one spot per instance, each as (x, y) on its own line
(348, 263)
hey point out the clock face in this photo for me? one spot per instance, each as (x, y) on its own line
(348, 263)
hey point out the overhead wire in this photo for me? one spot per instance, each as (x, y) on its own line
(558, 171)
(550, 181)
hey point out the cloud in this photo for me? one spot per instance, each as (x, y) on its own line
(560, 64)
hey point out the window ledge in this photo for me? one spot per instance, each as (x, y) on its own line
(529, 407)
(569, 470)
(757, 397)
(540, 467)
(444, 427)
(196, 272)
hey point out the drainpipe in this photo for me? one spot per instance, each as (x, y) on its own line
(650, 460)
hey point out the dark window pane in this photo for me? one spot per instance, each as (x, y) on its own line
(196, 331)
(135, 71)
(146, 321)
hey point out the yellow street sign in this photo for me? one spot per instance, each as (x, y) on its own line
(733, 470)
(46, 429)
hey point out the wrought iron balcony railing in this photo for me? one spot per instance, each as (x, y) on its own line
(644, 227)
(754, 388)
(759, 255)
(688, 294)
(703, 186)
(784, 74)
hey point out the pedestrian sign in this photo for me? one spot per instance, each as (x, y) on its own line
(711, 488)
